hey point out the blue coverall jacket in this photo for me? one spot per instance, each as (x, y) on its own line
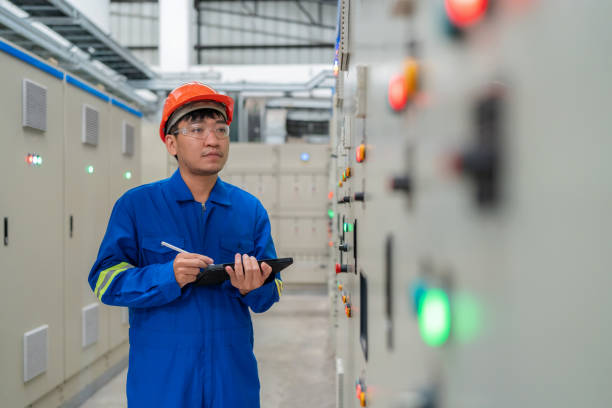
(189, 347)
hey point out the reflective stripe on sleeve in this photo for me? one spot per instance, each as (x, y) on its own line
(107, 275)
(279, 286)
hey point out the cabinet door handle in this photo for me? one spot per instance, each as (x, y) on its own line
(71, 225)
(5, 231)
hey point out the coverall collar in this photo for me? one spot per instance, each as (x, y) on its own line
(180, 192)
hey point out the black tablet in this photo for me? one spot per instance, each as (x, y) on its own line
(215, 273)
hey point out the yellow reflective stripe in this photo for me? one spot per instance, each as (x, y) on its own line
(109, 282)
(279, 286)
(102, 277)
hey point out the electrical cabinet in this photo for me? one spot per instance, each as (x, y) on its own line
(291, 183)
(87, 209)
(31, 214)
(124, 173)
(65, 158)
(470, 171)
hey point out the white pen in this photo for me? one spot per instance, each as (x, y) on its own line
(177, 249)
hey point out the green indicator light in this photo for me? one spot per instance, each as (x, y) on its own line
(127, 175)
(350, 227)
(434, 317)
(330, 213)
(90, 169)
(39, 160)
(345, 227)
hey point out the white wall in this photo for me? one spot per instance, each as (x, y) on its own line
(98, 11)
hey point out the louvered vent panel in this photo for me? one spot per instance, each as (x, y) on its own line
(91, 125)
(34, 99)
(128, 139)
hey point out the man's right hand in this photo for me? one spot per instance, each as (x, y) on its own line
(187, 267)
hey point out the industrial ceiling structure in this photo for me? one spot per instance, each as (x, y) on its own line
(57, 31)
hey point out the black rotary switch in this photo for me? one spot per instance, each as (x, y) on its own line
(360, 196)
(401, 183)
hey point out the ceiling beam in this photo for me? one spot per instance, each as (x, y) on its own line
(265, 17)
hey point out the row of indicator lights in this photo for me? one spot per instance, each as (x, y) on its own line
(127, 175)
(360, 155)
(34, 160)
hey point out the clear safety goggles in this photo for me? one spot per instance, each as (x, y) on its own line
(197, 131)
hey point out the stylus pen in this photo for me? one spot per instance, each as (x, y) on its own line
(177, 249)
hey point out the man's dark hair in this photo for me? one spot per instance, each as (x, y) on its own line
(196, 115)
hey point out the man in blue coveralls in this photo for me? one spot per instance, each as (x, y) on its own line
(190, 346)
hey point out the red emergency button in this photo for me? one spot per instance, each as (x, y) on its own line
(360, 153)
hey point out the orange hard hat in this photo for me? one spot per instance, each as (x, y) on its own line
(193, 92)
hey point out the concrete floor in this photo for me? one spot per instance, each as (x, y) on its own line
(293, 349)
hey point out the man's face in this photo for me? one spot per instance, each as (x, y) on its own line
(203, 152)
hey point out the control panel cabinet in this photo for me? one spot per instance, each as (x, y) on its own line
(31, 213)
(86, 213)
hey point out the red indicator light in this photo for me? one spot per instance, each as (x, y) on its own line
(398, 92)
(464, 13)
(330, 195)
(29, 159)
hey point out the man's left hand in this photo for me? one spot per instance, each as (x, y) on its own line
(246, 274)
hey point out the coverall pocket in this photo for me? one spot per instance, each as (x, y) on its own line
(153, 252)
(231, 245)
